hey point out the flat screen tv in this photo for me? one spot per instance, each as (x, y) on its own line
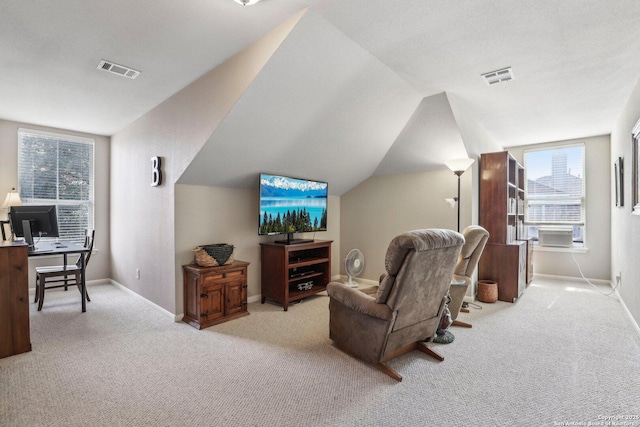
(291, 205)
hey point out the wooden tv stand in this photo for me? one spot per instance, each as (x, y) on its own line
(284, 267)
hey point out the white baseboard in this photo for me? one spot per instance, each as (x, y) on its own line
(335, 278)
(89, 283)
(174, 317)
(363, 283)
(634, 323)
(571, 279)
(472, 298)
(626, 310)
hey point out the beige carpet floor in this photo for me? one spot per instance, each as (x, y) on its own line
(563, 353)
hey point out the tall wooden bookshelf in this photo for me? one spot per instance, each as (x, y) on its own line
(504, 259)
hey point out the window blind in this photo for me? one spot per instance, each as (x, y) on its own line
(555, 185)
(58, 170)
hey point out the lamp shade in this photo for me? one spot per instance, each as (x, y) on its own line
(459, 165)
(13, 199)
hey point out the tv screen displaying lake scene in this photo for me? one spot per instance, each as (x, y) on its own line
(291, 205)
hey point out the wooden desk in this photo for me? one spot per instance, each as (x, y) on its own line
(14, 299)
(64, 249)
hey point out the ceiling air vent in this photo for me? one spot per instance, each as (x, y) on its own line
(118, 69)
(498, 76)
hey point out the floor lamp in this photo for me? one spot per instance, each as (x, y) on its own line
(459, 166)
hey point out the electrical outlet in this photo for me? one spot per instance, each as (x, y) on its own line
(138, 273)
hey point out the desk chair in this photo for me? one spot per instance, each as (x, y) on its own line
(63, 275)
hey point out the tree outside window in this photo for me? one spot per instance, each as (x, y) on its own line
(58, 170)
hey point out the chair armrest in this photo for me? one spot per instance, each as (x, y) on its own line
(457, 292)
(358, 301)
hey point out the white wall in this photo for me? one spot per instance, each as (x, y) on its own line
(207, 215)
(595, 263)
(143, 218)
(99, 267)
(476, 141)
(384, 206)
(625, 227)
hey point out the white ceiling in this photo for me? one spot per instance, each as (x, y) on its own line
(575, 61)
(321, 108)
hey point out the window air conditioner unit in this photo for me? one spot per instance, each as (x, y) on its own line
(559, 237)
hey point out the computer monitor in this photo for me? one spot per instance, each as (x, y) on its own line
(43, 220)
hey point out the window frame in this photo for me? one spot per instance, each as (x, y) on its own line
(577, 244)
(77, 237)
(635, 174)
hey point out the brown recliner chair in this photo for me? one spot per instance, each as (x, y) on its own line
(406, 309)
(475, 240)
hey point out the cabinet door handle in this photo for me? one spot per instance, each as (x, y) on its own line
(204, 294)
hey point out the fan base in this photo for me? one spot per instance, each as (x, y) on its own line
(351, 283)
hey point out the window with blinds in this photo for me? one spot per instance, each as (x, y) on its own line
(555, 189)
(56, 169)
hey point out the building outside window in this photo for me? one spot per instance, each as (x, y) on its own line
(555, 191)
(58, 170)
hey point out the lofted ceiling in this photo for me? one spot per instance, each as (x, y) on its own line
(575, 63)
(321, 108)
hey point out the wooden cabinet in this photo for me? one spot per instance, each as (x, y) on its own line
(214, 295)
(506, 257)
(14, 299)
(505, 265)
(529, 260)
(287, 270)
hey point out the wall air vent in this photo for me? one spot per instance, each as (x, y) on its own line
(118, 69)
(498, 76)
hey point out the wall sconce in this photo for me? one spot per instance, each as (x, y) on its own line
(458, 166)
(451, 202)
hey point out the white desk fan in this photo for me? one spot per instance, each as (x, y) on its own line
(353, 265)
